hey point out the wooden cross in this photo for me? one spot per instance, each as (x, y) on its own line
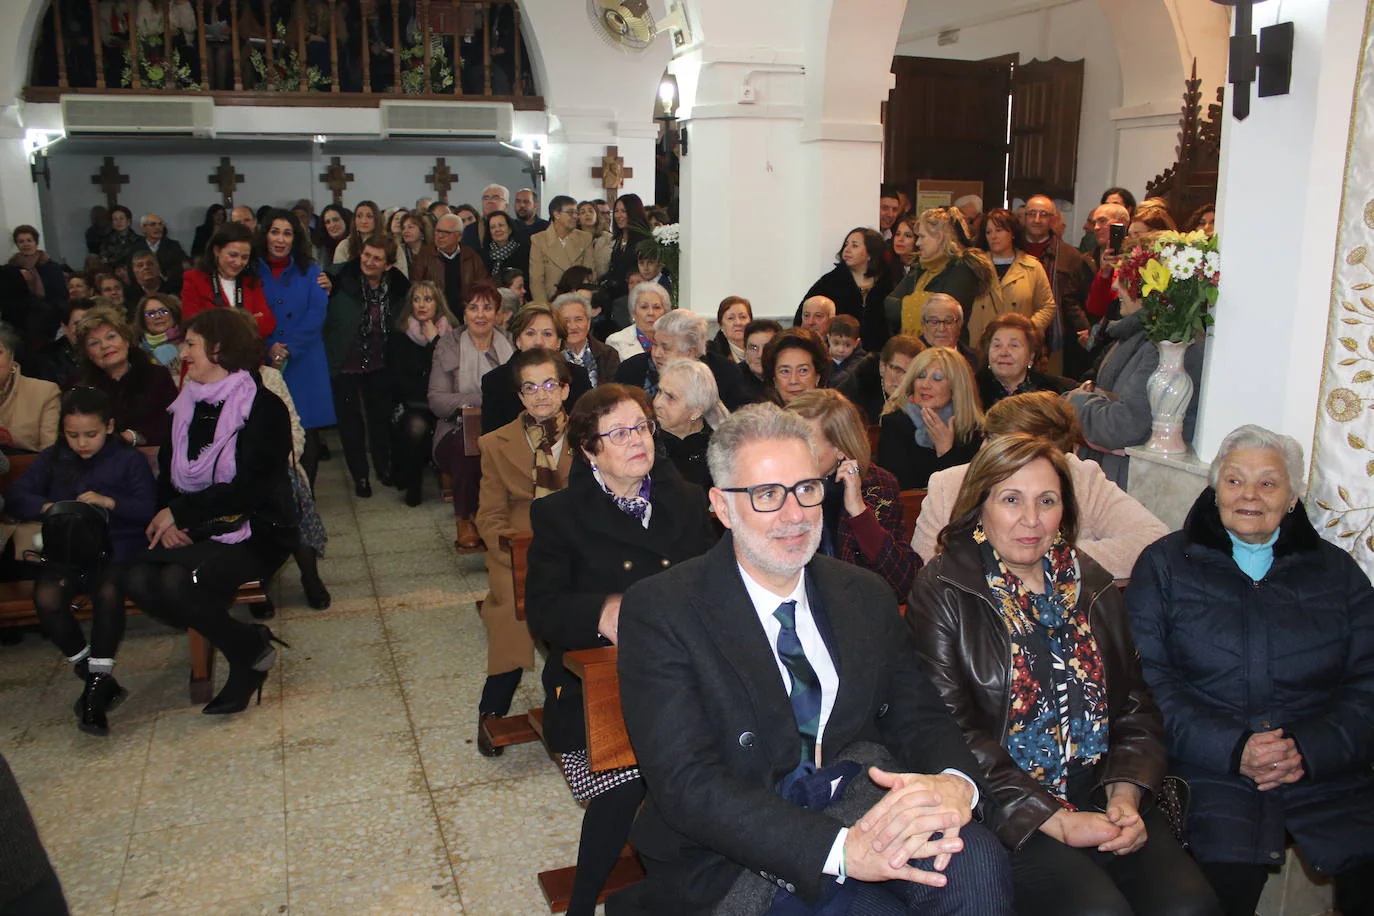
(336, 178)
(226, 179)
(612, 173)
(442, 178)
(110, 181)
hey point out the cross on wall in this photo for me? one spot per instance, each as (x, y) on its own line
(226, 179)
(336, 178)
(442, 178)
(612, 173)
(110, 180)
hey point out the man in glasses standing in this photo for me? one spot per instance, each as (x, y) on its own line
(790, 743)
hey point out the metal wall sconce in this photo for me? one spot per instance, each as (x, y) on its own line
(1271, 59)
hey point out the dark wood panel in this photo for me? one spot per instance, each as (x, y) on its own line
(947, 119)
(1047, 101)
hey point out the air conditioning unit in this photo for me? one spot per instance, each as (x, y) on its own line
(185, 116)
(484, 120)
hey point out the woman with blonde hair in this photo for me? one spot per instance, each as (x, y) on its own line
(932, 421)
(946, 263)
(862, 512)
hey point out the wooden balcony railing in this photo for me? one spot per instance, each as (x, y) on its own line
(303, 52)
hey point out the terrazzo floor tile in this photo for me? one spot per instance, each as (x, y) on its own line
(481, 821)
(363, 840)
(324, 629)
(450, 757)
(416, 661)
(227, 785)
(90, 871)
(424, 590)
(332, 766)
(508, 884)
(413, 893)
(356, 711)
(420, 560)
(348, 597)
(184, 735)
(186, 868)
(263, 905)
(337, 667)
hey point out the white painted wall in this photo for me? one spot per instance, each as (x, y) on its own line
(1282, 174)
(175, 184)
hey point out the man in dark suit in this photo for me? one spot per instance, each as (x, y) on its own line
(744, 670)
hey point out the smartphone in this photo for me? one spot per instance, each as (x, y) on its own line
(1117, 238)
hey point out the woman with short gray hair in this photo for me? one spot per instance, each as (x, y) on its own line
(580, 347)
(1257, 640)
(688, 408)
(648, 303)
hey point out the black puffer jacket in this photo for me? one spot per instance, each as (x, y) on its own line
(1227, 656)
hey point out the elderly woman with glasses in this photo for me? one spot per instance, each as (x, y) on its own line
(648, 303)
(524, 460)
(625, 515)
(1257, 640)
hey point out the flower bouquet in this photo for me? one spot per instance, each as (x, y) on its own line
(666, 238)
(156, 69)
(1175, 275)
(413, 69)
(285, 73)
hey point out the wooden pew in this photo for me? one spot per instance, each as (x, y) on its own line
(472, 431)
(911, 510)
(17, 610)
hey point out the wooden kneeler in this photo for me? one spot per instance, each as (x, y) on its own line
(517, 729)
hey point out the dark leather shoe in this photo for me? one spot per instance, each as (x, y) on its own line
(385, 480)
(102, 694)
(413, 494)
(316, 595)
(263, 610)
(484, 745)
(363, 488)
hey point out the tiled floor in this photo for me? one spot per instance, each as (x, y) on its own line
(354, 788)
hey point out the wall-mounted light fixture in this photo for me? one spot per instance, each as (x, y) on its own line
(532, 147)
(37, 143)
(1271, 59)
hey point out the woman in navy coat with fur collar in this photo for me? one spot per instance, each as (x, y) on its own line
(1257, 639)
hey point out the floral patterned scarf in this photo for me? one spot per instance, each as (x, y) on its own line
(1057, 721)
(637, 507)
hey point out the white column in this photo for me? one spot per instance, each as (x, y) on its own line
(18, 193)
(1279, 200)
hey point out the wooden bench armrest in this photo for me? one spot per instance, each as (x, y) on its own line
(608, 743)
(517, 546)
(472, 430)
(911, 511)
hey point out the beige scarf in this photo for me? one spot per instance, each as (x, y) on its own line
(543, 435)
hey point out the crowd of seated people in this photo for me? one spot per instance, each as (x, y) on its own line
(1001, 372)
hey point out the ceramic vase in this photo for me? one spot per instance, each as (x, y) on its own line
(1169, 390)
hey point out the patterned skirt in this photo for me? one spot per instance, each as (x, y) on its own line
(313, 534)
(587, 785)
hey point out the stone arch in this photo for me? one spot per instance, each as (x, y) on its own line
(1157, 42)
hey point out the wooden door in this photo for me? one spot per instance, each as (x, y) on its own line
(947, 119)
(1047, 98)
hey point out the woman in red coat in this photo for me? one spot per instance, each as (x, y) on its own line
(221, 278)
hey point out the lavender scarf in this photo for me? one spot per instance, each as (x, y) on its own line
(217, 462)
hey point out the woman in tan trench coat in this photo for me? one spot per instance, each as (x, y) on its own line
(521, 461)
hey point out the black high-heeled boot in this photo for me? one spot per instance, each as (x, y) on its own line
(245, 680)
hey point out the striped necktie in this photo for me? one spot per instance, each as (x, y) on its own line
(806, 687)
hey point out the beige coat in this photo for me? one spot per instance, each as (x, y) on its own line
(549, 258)
(1024, 288)
(28, 414)
(1112, 527)
(503, 507)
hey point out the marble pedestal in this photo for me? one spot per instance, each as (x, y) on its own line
(1167, 485)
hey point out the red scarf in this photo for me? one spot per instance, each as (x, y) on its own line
(277, 266)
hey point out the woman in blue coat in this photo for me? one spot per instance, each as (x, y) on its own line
(290, 282)
(1257, 639)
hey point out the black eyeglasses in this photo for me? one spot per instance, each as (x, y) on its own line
(621, 434)
(769, 497)
(529, 388)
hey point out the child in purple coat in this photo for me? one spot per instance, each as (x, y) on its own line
(89, 464)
